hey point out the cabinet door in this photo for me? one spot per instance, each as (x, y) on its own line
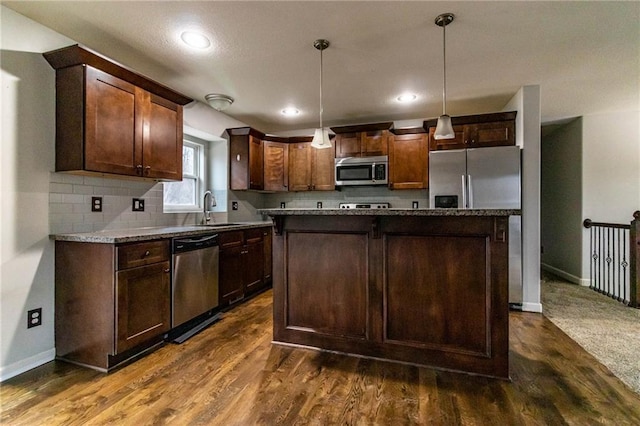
(300, 158)
(256, 163)
(162, 143)
(491, 134)
(374, 143)
(408, 161)
(276, 166)
(231, 274)
(347, 145)
(143, 304)
(323, 169)
(457, 143)
(113, 124)
(254, 266)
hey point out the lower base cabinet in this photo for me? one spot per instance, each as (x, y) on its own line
(242, 264)
(112, 300)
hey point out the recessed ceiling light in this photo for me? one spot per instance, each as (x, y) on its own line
(407, 97)
(290, 112)
(194, 39)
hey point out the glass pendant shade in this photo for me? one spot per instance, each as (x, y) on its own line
(321, 139)
(444, 129)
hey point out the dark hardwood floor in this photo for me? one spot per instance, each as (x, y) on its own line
(231, 374)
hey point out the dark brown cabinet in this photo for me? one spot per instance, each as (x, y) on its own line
(311, 169)
(476, 131)
(112, 301)
(362, 140)
(276, 166)
(242, 260)
(112, 121)
(408, 161)
(246, 159)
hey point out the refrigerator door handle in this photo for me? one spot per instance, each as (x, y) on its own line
(470, 192)
(464, 192)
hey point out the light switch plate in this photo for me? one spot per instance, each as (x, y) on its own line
(138, 205)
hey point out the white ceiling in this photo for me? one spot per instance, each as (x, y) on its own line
(584, 55)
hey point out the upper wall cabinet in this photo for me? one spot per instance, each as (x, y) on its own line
(276, 165)
(112, 121)
(362, 140)
(246, 159)
(476, 131)
(408, 159)
(311, 169)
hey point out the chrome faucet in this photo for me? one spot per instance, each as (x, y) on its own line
(206, 213)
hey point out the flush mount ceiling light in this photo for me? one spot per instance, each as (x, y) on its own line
(194, 39)
(444, 129)
(219, 102)
(321, 136)
(290, 112)
(406, 98)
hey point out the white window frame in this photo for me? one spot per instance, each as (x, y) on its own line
(199, 176)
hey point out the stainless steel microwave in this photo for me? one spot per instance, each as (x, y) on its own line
(351, 171)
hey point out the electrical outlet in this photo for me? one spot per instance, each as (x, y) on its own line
(96, 204)
(138, 205)
(319, 204)
(415, 204)
(234, 205)
(34, 317)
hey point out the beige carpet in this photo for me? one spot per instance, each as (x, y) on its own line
(608, 330)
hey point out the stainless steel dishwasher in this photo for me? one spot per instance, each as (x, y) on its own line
(194, 286)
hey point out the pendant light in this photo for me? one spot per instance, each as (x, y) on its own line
(444, 129)
(321, 136)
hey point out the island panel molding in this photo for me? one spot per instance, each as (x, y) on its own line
(435, 293)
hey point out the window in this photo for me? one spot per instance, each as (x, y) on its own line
(184, 196)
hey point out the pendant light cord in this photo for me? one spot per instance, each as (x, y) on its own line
(321, 89)
(444, 70)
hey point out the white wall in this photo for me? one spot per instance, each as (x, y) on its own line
(561, 201)
(610, 171)
(28, 138)
(527, 103)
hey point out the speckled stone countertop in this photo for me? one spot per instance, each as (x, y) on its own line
(115, 236)
(390, 212)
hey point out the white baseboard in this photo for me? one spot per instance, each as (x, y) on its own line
(532, 307)
(12, 370)
(567, 276)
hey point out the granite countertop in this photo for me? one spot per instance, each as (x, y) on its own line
(115, 236)
(390, 212)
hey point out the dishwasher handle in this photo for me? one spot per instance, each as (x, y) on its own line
(180, 245)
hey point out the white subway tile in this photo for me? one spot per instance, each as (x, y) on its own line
(73, 198)
(55, 198)
(73, 179)
(62, 188)
(82, 227)
(93, 218)
(60, 208)
(82, 189)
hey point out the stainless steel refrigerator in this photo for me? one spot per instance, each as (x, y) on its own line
(482, 178)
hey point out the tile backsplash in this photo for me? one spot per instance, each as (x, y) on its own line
(70, 204)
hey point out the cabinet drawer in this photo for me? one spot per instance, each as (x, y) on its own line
(140, 254)
(255, 235)
(230, 239)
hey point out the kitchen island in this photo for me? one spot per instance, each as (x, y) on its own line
(420, 286)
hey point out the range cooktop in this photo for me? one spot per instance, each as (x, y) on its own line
(365, 205)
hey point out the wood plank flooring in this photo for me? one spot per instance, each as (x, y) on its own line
(231, 374)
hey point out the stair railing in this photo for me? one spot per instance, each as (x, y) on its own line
(615, 259)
